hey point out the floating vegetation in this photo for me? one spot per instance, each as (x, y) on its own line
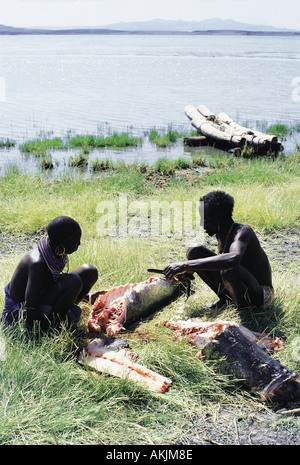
(164, 139)
(80, 160)
(102, 165)
(40, 146)
(279, 130)
(115, 140)
(46, 162)
(7, 143)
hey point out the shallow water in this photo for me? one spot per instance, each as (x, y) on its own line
(50, 85)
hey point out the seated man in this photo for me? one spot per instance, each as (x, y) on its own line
(40, 289)
(241, 271)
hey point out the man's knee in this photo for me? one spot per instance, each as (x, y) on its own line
(197, 250)
(229, 274)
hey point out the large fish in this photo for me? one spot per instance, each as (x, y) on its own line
(243, 352)
(254, 366)
(104, 358)
(129, 303)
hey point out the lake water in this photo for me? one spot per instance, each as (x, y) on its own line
(96, 83)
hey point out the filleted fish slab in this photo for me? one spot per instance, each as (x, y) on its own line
(128, 303)
(120, 363)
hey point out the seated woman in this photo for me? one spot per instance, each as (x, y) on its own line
(40, 289)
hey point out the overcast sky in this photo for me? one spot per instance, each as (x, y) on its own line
(281, 13)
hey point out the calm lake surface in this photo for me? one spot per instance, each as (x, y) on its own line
(97, 83)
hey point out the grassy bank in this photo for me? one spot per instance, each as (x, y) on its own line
(266, 191)
(47, 398)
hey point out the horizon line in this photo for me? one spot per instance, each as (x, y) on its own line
(136, 22)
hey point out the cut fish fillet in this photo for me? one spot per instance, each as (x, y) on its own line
(201, 332)
(121, 364)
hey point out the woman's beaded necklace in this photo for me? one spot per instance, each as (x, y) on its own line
(55, 263)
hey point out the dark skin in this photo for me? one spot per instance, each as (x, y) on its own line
(32, 283)
(238, 273)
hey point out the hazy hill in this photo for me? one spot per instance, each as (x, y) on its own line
(190, 26)
(157, 26)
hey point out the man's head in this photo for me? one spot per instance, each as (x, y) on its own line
(218, 208)
(65, 232)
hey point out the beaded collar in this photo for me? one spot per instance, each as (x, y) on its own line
(55, 264)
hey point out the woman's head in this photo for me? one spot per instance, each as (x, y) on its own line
(64, 232)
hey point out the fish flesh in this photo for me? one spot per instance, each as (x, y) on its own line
(243, 352)
(129, 303)
(201, 332)
(121, 364)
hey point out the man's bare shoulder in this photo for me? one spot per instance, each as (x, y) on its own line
(247, 235)
(244, 231)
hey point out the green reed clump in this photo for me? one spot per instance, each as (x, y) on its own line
(168, 166)
(181, 163)
(122, 140)
(115, 140)
(279, 130)
(198, 160)
(82, 141)
(164, 139)
(80, 160)
(102, 165)
(46, 162)
(164, 166)
(7, 143)
(39, 147)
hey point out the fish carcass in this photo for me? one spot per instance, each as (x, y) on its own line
(243, 353)
(129, 303)
(201, 332)
(120, 363)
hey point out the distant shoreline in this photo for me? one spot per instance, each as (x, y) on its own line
(6, 30)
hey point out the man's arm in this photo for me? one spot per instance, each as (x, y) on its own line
(231, 259)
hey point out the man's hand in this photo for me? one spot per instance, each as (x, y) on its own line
(174, 269)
